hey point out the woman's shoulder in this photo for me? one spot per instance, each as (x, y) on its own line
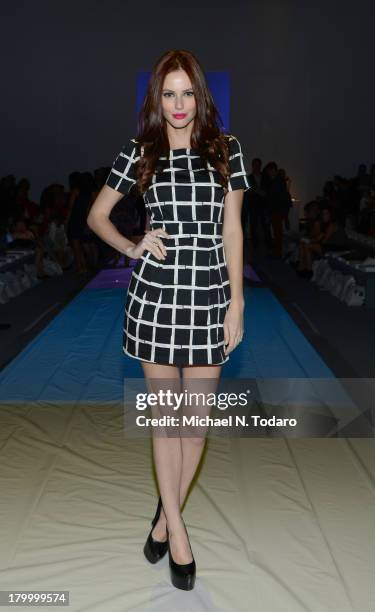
(231, 139)
(233, 144)
(130, 144)
(137, 145)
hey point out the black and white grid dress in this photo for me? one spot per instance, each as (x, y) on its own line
(175, 307)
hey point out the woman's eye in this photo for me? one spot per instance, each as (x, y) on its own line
(168, 93)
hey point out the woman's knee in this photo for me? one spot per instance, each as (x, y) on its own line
(193, 443)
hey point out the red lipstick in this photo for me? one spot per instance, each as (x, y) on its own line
(179, 115)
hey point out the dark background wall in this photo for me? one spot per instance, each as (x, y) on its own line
(302, 80)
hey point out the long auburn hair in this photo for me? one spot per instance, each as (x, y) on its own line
(207, 137)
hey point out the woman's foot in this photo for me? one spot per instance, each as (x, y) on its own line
(179, 545)
(181, 561)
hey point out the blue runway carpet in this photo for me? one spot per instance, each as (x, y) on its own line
(78, 356)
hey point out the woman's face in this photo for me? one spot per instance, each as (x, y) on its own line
(178, 100)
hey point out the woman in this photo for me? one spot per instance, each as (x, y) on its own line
(185, 300)
(316, 244)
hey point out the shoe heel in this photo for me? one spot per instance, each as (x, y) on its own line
(154, 550)
(157, 513)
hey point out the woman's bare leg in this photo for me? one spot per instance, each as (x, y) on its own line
(193, 446)
(177, 458)
(167, 452)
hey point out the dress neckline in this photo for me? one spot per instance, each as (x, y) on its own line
(181, 149)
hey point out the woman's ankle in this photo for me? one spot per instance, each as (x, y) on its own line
(177, 528)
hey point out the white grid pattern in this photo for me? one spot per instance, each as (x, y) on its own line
(175, 308)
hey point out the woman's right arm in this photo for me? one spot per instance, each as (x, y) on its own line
(98, 219)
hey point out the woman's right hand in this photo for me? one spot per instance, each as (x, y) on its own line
(152, 242)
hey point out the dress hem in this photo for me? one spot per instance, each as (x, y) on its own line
(173, 363)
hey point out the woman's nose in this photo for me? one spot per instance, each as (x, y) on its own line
(179, 104)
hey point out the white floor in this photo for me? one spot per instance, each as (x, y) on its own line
(276, 525)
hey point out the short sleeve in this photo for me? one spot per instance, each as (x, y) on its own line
(238, 177)
(122, 175)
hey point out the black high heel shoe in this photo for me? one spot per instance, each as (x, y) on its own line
(182, 576)
(153, 549)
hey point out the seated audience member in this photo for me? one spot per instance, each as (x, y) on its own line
(313, 220)
(23, 205)
(315, 246)
(310, 229)
(56, 241)
(24, 237)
